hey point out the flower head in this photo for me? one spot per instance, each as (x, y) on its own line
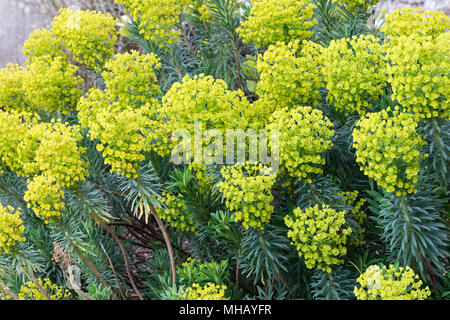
(388, 149)
(408, 21)
(90, 36)
(319, 236)
(290, 75)
(30, 291)
(419, 74)
(11, 228)
(175, 212)
(210, 291)
(273, 21)
(158, 20)
(305, 134)
(393, 283)
(355, 72)
(247, 193)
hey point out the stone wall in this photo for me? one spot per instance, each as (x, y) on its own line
(17, 20)
(426, 4)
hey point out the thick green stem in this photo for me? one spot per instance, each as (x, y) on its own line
(125, 256)
(93, 268)
(439, 147)
(8, 291)
(332, 286)
(404, 206)
(113, 271)
(85, 259)
(38, 285)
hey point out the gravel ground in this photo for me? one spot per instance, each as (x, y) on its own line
(18, 18)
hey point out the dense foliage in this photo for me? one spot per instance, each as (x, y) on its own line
(96, 204)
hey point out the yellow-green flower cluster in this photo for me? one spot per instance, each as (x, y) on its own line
(90, 36)
(419, 74)
(49, 83)
(27, 147)
(12, 94)
(210, 291)
(205, 14)
(283, 20)
(351, 4)
(118, 117)
(357, 214)
(408, 21)
(319, 236)
(13, 129)
(258, 113)
(59, 155)
(42, 42)
(203, 178)
(305, 134)
(52, 84)
(174, 212)
(393, 283)
(131, 78)
(388, 149)
(49, 154)
(190, 262)
(121, 132)
(30, 291)
(203, 99)
(11, 228)
(290, 74)
(247, 192)
(158, 20)
(119, 128)
(45, 197)
(52, 149)
(355, 72)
